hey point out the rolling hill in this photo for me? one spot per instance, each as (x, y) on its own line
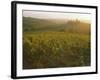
(34, 24)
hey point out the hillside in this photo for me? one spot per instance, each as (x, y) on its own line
(34, 24)
(52, 43)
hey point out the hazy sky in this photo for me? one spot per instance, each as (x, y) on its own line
(57, 15)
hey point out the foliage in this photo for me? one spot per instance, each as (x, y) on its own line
(55, 49)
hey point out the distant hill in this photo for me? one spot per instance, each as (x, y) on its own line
(34, 24)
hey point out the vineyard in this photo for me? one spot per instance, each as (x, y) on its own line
(55, 49)
(55, 43)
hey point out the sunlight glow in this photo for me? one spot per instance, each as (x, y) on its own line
(58, 15)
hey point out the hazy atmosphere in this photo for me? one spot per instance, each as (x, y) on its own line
(56, 39)
(57, 15)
